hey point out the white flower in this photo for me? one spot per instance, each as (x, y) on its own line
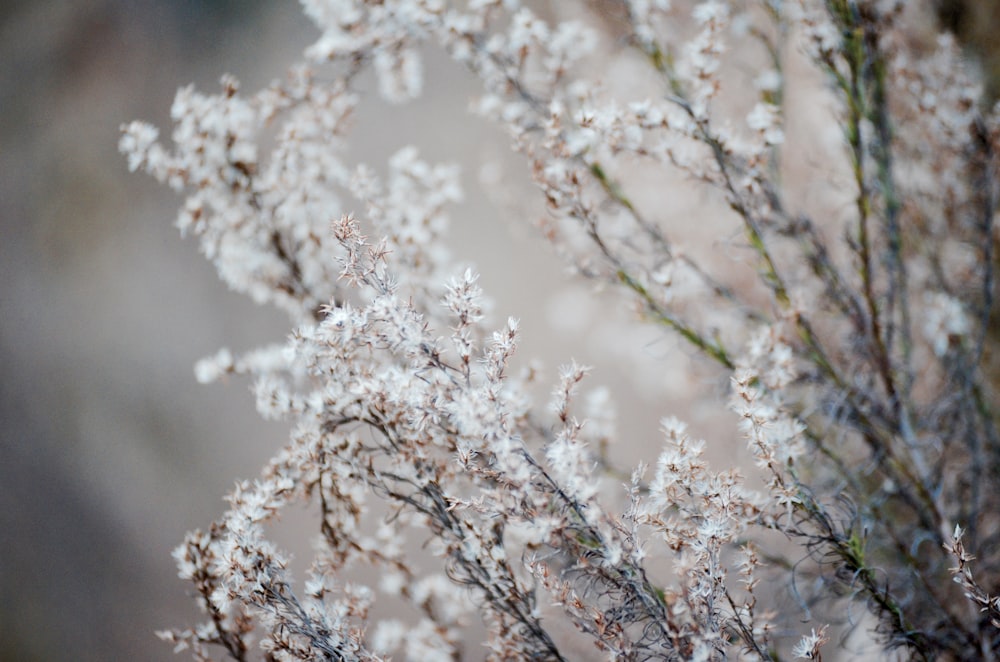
(945, 321)
(768, 81)
(808, 647)
(210, 369)
(765, 119)
(389, 635)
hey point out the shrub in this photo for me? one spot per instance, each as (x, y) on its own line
(860, 339)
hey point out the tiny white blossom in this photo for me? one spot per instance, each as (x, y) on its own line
(945, 321)
(210, 369)
(808, 647)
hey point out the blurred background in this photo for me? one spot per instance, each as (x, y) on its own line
(109, 450)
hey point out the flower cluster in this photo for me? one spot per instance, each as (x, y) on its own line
(857, 337)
